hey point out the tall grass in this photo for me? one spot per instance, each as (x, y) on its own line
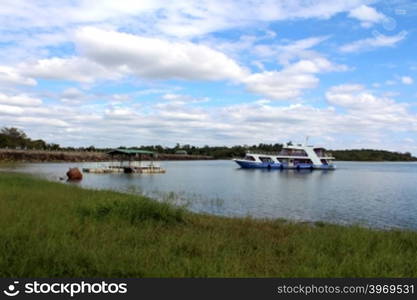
(53, 229)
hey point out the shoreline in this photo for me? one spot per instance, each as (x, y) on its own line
(55, 229)
(38, 156)
(8, 155)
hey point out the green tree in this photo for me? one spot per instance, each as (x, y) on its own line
(38, 144)
(13, 137)
(13, 132)
(53, 146)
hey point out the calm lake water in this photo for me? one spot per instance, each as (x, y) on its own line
(381, 195)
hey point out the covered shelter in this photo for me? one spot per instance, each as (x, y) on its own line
(131, 154)
(130, 160)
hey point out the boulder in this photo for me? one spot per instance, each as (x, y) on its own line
(74, 174)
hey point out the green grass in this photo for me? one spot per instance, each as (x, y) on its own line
(52, 229)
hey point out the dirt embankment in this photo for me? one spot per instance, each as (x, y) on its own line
(70, 156)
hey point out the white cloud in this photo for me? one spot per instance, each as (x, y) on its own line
(120, 98)
(72, 93)
(10, 75)
(42, 121)
(372, 116)
(179, 98)
(19, 100)
(280, 85)
(191, 18)
(354, 96)
(73, 96)
(367, 117)
(376, 111)
(176, 18)
(74, 68)
(186, 115)
(10, 110)
(107, 54)
(288, 83)
(155, 58)
(367, 15)
(112, 55)
(315, 65)
(120, 113)
(407, 80)
(169, 40)
(373, 43)
(293, 50)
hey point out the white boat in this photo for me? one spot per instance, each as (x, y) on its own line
(290, 157)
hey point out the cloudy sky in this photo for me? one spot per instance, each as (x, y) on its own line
(217, 72)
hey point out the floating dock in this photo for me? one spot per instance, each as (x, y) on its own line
(128, 161)
(128, 170)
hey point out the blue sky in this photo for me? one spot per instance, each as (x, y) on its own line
(111, 73)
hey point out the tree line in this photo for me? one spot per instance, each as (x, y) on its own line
(14, 138)
(372, 155)
(216, 152)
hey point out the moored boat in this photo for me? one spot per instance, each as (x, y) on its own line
(290, 157)
(254, 160)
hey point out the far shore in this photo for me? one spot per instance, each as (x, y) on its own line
(34, 156)
(11, 155)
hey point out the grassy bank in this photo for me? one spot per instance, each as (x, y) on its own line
(54, 229)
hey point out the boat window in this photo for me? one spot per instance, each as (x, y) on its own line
(301, 153)
(319, 152)
(248, 157)
(324, 162)
(266, 159)
(293, 152)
